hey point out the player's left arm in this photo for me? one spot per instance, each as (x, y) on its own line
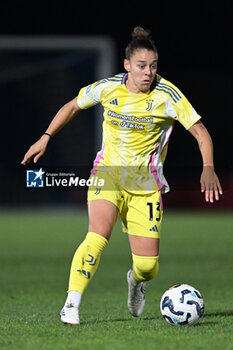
(209, 180)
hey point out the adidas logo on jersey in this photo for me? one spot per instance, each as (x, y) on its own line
(154, 228)
(114, 102)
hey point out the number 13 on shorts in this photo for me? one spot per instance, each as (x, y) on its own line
(156, 212)
(143, 215)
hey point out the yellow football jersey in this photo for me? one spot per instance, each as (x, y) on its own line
(136, 129)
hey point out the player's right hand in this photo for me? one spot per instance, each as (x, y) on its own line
(36, 150)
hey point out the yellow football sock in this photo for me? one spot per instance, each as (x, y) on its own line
(85, 261)
(145, 268)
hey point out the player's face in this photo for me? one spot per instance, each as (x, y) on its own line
(141, 68)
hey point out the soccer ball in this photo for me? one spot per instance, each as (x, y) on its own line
(182, 305)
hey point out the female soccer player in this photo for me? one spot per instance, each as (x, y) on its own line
(140, 108)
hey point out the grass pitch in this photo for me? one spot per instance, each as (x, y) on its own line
(36, 248)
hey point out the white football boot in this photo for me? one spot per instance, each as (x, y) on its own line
(70, 315)
(136, 295)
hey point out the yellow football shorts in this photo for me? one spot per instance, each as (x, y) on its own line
(141, 214)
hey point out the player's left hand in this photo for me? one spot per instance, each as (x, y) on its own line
(210, 184)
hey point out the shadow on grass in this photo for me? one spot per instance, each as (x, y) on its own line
(219, 313)
(210, 315)
(130, 319)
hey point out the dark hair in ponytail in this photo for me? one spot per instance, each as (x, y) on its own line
(141, 39)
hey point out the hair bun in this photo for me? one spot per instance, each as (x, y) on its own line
(141, 40)
(139, 32)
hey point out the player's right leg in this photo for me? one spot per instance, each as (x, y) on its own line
(102, 217)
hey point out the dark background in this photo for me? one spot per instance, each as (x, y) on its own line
(194, 44)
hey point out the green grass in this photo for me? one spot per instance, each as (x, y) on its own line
(36, 248)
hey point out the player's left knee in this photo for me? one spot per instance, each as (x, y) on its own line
(145, 268)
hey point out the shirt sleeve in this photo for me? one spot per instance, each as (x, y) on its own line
(179, 108)
(90, 95)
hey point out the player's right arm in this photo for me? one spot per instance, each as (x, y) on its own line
(63, 116)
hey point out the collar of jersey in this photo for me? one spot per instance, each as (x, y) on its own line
(125, 77)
